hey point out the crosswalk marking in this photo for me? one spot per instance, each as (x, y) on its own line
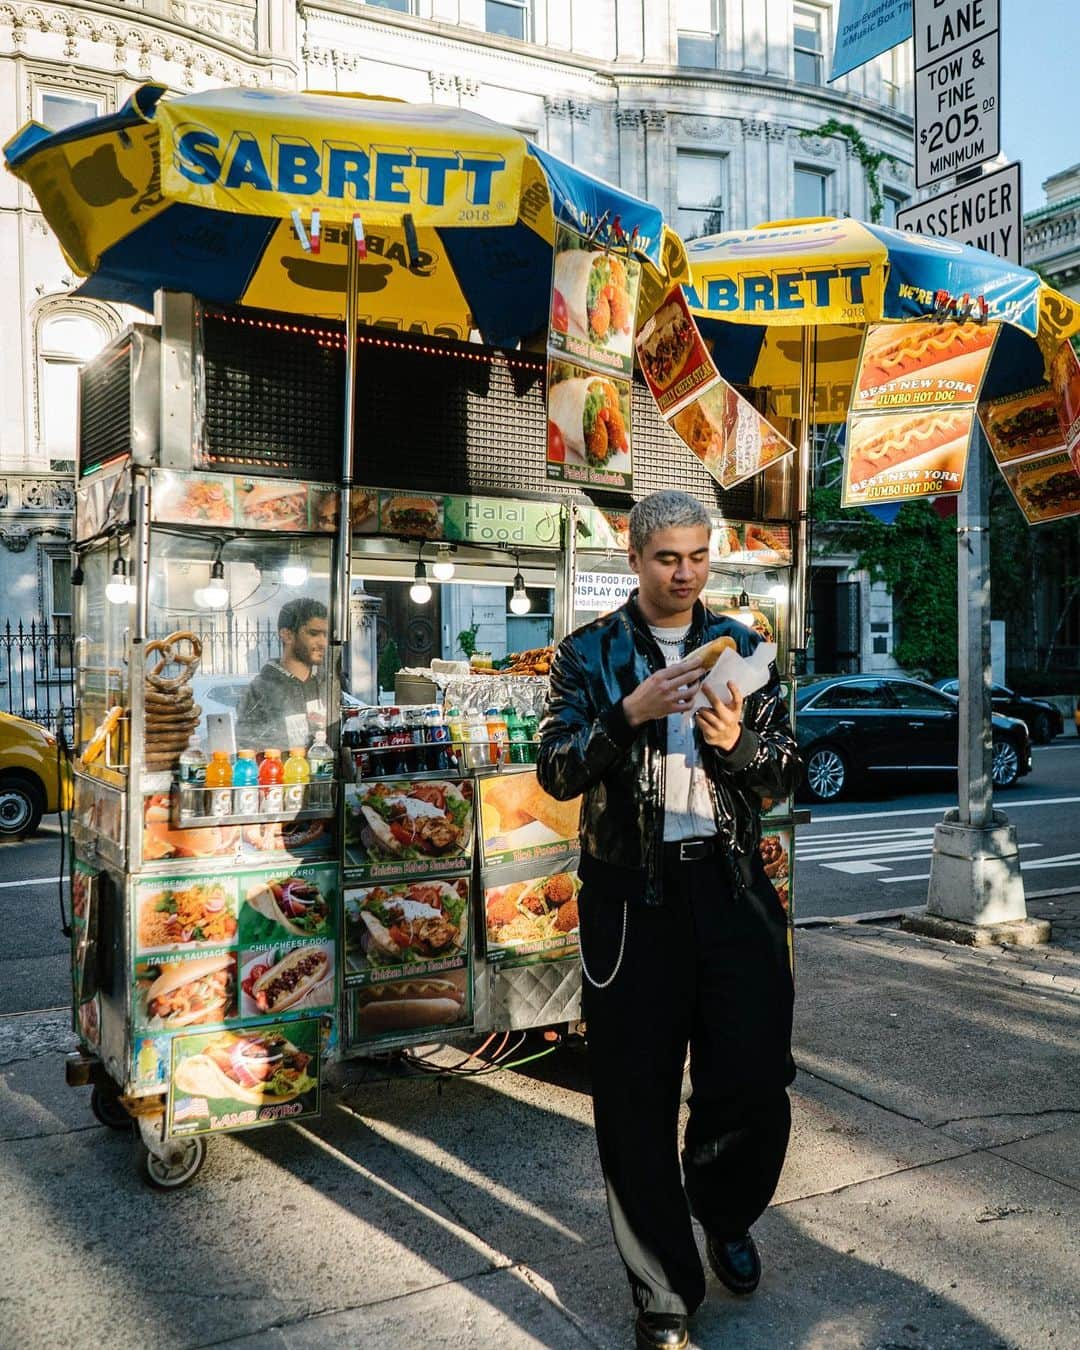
(869, 852)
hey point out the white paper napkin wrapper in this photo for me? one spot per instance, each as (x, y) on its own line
(747, 673)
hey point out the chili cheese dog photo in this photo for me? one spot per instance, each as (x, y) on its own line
(408, 1004)
(302, 977)
(1022, 426)
(930, 362)
(916, 441)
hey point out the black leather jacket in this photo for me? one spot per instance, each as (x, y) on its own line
(587, 746)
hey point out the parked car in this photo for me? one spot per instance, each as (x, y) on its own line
(1043, 720)
(850, 726)
(33, 778)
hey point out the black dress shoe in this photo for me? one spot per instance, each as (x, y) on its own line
(736, 1265)
(660, 1331)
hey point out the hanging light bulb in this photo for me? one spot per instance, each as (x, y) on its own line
(745, 614)
(420, 590)
(119, 591)
(295, 571)
(443, 569)
(519, 601)
(216, 593)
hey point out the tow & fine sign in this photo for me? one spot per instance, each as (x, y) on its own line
(984, 214)
(957, 86)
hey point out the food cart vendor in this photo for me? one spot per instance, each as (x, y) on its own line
(284, 705)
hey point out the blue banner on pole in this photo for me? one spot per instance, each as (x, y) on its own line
(865, 29)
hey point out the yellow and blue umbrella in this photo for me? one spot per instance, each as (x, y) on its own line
(756, 292)
(216, 193)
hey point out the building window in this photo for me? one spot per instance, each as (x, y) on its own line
(891, 202)
(891, 80)
(809, 44)
(701, 192)
(58, 110)
(66, 341)
(811, 193)
(699, 34)
(402, 6)
(56, 566)
(508, 18)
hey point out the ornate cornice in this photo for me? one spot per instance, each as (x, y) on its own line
(562, 106)
(707, 128)
(775, 131)
(446, 82)
(38, 494)
(753, 129)
(819, 147)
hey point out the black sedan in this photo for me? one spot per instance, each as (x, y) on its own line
(1041, 718)
(852, 726)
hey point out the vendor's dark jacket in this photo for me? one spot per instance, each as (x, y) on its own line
(272, 696)
(587, 746)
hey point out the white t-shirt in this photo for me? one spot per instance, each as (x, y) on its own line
(688, 811)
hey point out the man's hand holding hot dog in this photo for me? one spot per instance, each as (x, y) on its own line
(665, 693)
(721, 724)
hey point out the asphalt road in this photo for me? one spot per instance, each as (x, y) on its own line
(873, 853)
(855, 857)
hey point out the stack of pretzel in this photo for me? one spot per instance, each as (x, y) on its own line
(171, 711)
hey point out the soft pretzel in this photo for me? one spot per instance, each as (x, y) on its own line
(167, 647)
(99, 739)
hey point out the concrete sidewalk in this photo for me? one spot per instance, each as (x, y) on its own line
(931, 1197)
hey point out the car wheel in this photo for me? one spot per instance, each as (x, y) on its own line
(1040, 730)
(826, 774)
(1005, 769)
(21, 805)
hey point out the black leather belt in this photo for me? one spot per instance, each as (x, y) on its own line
(689, 850)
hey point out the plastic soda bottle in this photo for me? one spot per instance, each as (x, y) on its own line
(498, 735)
(321, 764)
(531, 723)
(271, 791)
(193, 762)
(219, 784)
(515, 727)
(438, 738)
(296, 775)
(477, 750)
(456, 723)
(245, 778)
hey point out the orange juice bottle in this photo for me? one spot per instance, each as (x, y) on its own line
(219, 784)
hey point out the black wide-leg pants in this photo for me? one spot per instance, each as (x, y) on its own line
(707, 969)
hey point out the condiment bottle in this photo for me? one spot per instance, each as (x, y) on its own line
(271, 792)
(245, 783)
(219, 784)
(296, 775)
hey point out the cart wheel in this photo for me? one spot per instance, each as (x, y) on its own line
(165, 1175)
(107, 1107)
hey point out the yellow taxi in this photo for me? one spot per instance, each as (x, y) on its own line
(34, 777)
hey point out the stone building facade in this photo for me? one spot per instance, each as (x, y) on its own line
(700, 105)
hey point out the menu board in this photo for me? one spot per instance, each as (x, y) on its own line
(1046, 487)
(235, 1080)
(913, 409)
(408, 953)
(532, 920)
(229, 949)
(238, 502)
(519, 822)
(775, 849)
(725, 431)
(405, 827)
(594, 296)
(161, 842)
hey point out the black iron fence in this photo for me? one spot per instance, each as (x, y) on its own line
(37, 661)
(37, 672)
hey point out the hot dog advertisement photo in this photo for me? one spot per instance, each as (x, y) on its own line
(588, 427)
(532, 920)
(276, 980)
(922, 365)
(1045, 488)
(519, 822)
(594, 297)
(399, 1009)
(1065, 382)
(730, 437)
(404, 925)
(895, 457)
(672, 356)
(231, 1080)
(298, 902)
(395, 826)
(173, 992)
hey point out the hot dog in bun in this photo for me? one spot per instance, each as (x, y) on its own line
(709, 654)
(408, 1004)
(897, 353)
(916, 442)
